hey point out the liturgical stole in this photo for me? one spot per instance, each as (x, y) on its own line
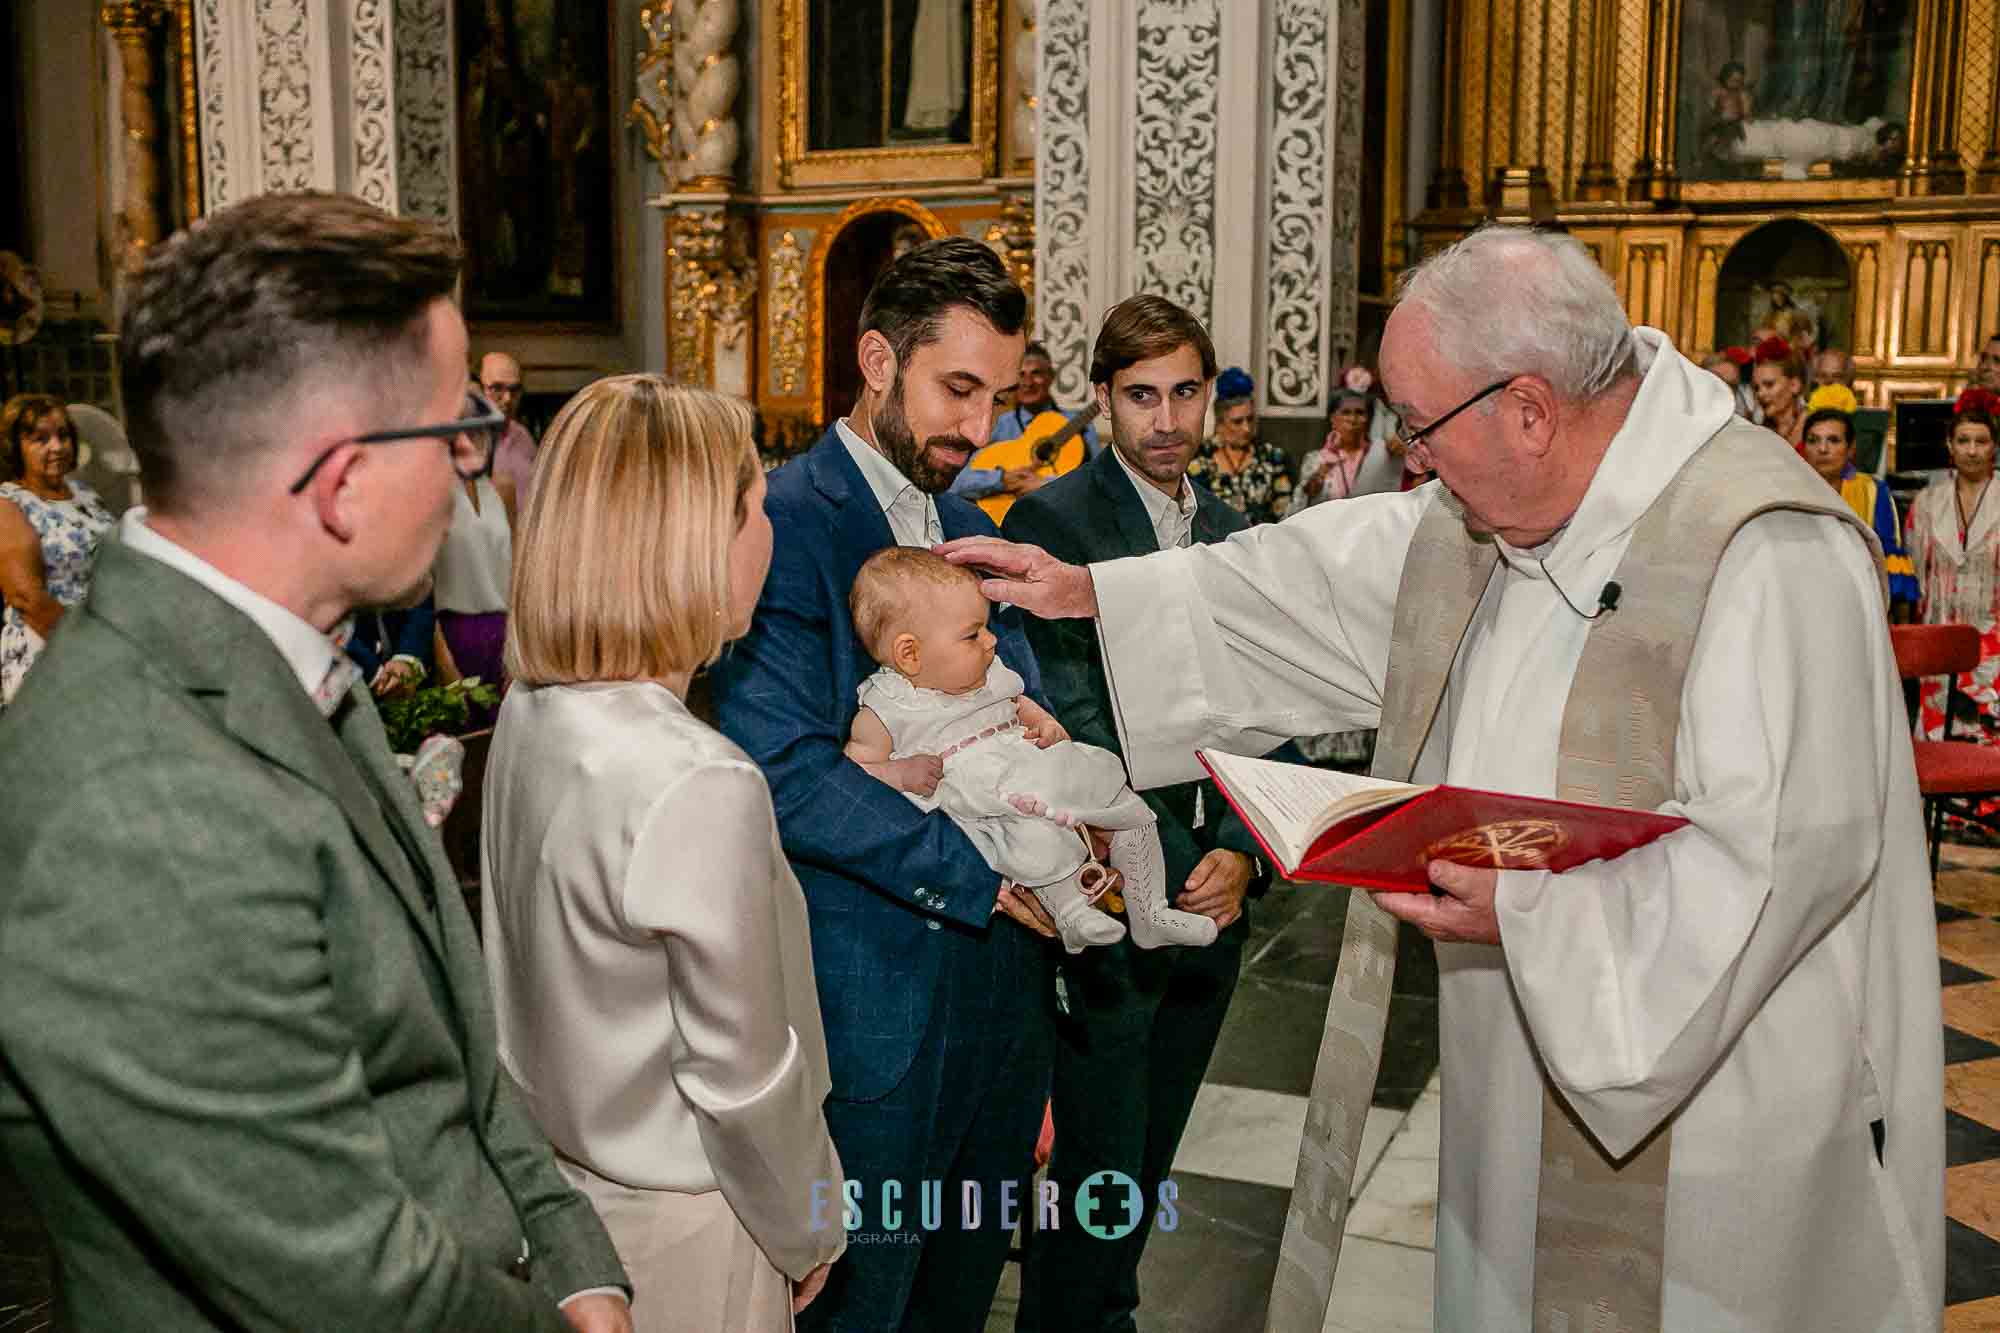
(1600, 1233)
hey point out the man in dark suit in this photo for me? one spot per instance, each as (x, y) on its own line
(935, 1028)
(247, 1062)
(1135, 1026)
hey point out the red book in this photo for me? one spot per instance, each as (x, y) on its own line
(1341, 828)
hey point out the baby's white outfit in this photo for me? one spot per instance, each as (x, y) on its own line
(988, 758)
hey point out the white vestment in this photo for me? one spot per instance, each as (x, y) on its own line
(1770, 972)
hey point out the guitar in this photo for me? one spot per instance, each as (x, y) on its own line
(1052, 444)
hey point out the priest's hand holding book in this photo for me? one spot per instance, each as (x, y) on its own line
(1432, 855)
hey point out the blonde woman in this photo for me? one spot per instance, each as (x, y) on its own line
(651, 967)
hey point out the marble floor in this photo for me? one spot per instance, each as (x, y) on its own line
(1213, 1273)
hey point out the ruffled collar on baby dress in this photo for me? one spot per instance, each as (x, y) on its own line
(1002, 682)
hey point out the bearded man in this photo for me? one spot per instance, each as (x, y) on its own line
(936, 1033)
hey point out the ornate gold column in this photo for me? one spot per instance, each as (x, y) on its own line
(1597, 178)
(135, 26)
(1933, 165)
(1446, 190)
(1655, 178)
(1518, 189)
(1988, 179)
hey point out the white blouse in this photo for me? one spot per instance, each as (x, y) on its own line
(477, 558)
(652, 972)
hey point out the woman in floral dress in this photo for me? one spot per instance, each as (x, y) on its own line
(1955, 546)
(1253, 478)
(49, 530)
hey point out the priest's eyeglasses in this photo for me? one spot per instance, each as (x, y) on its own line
(1412, 438)
(470, 439)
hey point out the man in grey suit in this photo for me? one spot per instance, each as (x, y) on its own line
(247, 1062)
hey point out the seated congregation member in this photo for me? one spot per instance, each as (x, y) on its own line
(1779, 381)
(1347, 463)
(1035, 396)
(1955, 552)
(50, 525)
(945, 722)
(1708, 1072)
(934, 1004)
(1251, 477)
(250, 1078)
(1134, 1039)
(1829, 448)
(652, 973)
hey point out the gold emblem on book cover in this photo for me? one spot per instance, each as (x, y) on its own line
(1507, 844)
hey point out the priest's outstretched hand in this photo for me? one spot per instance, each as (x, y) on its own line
(1026, 576)
(1460, 910)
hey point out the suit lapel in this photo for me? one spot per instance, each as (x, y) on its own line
(1128, 511)
(858, 519)
(254, 696)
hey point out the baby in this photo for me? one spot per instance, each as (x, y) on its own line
(946, 723)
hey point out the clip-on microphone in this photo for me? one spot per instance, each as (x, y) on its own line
(1607, 600)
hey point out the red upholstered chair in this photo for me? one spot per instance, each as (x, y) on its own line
(1954, 776)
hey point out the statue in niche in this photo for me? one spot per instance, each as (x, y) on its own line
(889, 72)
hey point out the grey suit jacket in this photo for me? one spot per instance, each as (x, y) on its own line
(247, 1062)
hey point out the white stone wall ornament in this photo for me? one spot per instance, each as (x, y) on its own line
(1299, 222)
(1177, 78)
(1066, 318)
(373, 119)
(425, 170)
(285, 114)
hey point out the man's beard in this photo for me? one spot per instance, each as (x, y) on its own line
(1157, 468)
(898, 444)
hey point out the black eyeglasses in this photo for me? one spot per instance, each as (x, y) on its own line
(479, 428)
(1412, 438)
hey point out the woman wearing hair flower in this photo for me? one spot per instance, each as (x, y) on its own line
(1955, 547)
(1829, 447)
(1251, 477)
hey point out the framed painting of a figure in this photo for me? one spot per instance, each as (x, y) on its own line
(1793, 89)
(537, 175)
(880, 90)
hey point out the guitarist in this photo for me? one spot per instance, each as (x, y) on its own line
(1035, 396)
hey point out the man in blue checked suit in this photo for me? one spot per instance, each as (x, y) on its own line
(931, 976)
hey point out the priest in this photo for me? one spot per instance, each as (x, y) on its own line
(1695, 1087)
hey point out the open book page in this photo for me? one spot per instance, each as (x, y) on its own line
(1291, 805)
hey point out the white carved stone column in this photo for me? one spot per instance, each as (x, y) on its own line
(347, 95)
(1149, 178)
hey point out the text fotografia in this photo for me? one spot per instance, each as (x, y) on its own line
(1108, 1205)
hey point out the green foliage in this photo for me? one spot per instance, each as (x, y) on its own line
(439, 709)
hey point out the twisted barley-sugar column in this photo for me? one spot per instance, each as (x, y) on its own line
(134, 27)
(707, 79)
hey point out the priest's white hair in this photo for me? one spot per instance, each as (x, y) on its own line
(1516, 301)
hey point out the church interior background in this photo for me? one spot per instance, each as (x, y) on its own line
(708, 187)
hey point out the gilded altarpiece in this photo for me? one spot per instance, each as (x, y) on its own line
(1874, 136)
(772, 237)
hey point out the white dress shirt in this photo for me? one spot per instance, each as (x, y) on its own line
(310, 654)
(1172, 519)
(912, 514)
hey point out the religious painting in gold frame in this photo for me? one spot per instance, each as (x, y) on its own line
(1794, 89)
(887, 90)
(537, 170)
